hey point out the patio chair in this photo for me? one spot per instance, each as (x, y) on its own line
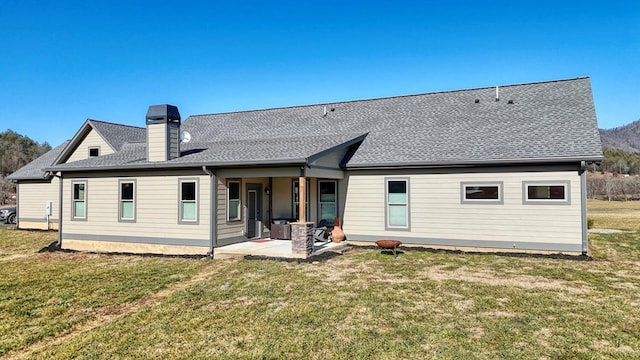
(321, 233)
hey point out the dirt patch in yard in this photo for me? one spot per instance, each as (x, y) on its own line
(492, 278)
(605, 231)
(13, 257)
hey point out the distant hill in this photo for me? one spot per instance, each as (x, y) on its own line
(15, 152)
(625, 137)
(18, 150)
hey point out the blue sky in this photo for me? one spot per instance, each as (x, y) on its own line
(66, 61)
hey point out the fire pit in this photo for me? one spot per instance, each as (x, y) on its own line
(389, 245)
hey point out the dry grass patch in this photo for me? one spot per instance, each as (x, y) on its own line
(489, 277)
(624, 215)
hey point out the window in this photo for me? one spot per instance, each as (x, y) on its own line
(94, 152)
(296, 199)
(127, 209)
(397, 204)
(188, 201)
(233, 201)
(328, 200)
(546, 192)
(481, 192)
(79, 211)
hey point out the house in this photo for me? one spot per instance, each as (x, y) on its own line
(500, 167)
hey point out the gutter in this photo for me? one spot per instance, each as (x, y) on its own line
(213, 211)
(461, 164)
(265, 163)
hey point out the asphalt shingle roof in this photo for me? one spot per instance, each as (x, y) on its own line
(34, 169)
(545, 121)
(117, 135)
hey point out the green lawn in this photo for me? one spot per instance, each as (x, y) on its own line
(361, 305)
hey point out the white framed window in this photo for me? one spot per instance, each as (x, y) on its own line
(127, 201)
(481, 192)
(546, 192)
(328, 200)
(234, 212)
(188, 212)
(397, 203)
(79, 194)
(296, 199)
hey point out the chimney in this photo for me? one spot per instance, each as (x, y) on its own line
(163, 133)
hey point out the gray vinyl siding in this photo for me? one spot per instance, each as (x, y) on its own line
(437, 213)
(234, 229)
(93, 139)
(282, 198)
(33, 197)
(157, 207)
(227, 229)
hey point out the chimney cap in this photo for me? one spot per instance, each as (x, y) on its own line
(166, 113)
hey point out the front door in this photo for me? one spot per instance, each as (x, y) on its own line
(254, 213)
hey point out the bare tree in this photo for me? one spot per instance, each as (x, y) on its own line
(609, 187)
(6, 188)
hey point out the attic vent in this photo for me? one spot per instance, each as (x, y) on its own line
(477, 101)
(510, 102)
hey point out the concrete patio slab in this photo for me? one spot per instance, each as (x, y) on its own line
(272, 248)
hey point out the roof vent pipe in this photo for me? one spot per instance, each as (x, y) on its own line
(497, 93)
(324, 112)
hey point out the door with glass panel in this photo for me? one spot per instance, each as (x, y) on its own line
(328, 200)
(254, 205)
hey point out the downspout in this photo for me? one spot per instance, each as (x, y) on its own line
(583, 206)
(212, 209)
(61, 187)
(17, 205)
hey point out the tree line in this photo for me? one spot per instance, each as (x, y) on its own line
(15, 152)
(618, 161)
(613, 187)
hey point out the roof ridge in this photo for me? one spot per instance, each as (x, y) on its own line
(112, 123)
(387, 97)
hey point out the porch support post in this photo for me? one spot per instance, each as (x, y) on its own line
(302, 183)
(302, 239)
